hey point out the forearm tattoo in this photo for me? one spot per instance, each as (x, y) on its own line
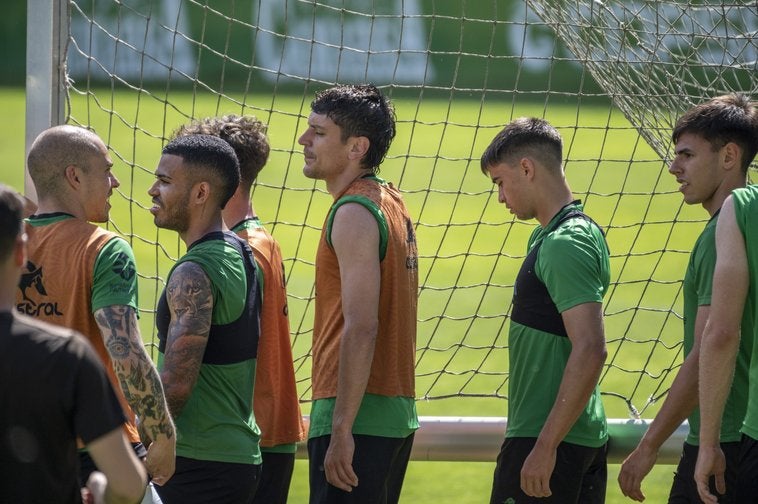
(134, 370)
(190, 301)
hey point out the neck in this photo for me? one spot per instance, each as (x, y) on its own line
(238, 208)
(200, 229)
(552, 203)
(338, 184)
(50, 205)
(725, 188)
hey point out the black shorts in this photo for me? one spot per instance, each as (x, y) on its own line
(203, 481)
(379, 463)
(579, 477)
(276, 476)
(684, 489)
(747, 470)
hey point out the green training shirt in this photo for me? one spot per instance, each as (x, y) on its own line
(746, 213)
(573, 264)
(217, 422)
(697, 288)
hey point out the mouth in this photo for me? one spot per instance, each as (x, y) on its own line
(156, 206)
(682, 184)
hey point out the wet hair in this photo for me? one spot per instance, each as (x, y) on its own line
(246, 135)
(721, 120)
(210, 159)
(360, 110)
(11, 219)
(525, 137)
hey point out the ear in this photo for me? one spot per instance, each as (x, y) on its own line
(72, 176)
(527, 168)
(731, 154)
(201, 191)
(358, 147)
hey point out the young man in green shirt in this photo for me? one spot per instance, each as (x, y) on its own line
(735, 279)
(707, 169)
(556, 437)
(208, 326)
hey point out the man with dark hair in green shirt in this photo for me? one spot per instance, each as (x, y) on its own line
(556, 436)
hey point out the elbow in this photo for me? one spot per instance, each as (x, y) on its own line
(177, 392)
(365, 332)
(593, 354)
(128, 488)
(600, 354)
(720, 337)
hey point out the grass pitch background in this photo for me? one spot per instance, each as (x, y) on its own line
(470, 248)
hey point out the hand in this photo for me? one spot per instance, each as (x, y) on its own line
(633, 470)
(94, 491)
(536, 471)
(710, 461)
(338, 463)
(161, 459)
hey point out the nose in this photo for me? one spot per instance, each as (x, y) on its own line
(674, 167)
(114, 181)
(501, 194)
(153, 191)
(303, 140)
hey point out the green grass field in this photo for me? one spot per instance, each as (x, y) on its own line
(469, 247)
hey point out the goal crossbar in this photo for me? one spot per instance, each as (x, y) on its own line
(478, 439)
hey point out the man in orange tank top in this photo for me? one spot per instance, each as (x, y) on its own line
(275, 399)
(53, 391)
(83, 277)
(363, 416)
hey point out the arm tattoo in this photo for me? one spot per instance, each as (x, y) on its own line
(134, 370)
(190, 302)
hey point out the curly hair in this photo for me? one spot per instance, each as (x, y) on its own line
(246, 135)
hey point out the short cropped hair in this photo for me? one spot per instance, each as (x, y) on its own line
(360, 110)
(721, 120)
(57, 148)
(211, 159)
(11, 219)
(525, 137)
(246, 135)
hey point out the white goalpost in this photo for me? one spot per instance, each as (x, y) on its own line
(611, 76)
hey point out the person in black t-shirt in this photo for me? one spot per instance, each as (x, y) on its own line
(53, 390)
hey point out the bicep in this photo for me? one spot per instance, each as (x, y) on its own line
(574, 268)
(355, 238)
(190, 302)
(731, 275)
(584, 325)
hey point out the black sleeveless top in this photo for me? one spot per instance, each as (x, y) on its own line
(227, 343)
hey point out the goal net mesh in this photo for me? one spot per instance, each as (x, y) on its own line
(611, 76)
